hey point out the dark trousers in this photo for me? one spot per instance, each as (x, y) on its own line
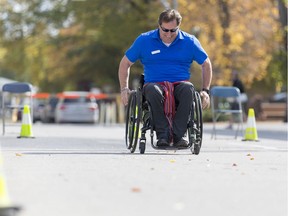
(183, 94)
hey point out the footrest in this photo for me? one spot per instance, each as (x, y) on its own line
(171, 148)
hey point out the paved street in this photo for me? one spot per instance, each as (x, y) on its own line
(77, 170)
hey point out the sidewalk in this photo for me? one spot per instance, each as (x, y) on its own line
(266, 129)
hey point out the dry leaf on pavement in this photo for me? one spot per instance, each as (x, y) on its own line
(135, 189)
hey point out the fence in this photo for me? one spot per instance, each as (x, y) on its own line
(111, 110)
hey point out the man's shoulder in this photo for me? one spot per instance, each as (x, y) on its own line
(187, 36)
(190, 39)
(149, 33)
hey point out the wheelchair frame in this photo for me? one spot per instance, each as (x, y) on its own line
(139, 112)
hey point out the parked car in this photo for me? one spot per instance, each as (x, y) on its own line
(48, 113)
(280, 97)
(39, 100)
(77, 107)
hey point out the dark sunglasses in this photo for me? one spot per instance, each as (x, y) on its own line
(169, 30)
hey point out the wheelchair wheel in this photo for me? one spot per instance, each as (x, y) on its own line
(196, 130)
(133, 118)
(142, 146)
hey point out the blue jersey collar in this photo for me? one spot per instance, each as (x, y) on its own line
(156, 35)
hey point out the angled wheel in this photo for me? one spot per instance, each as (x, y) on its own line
(142, 146)
(133, 117)
(196, 129)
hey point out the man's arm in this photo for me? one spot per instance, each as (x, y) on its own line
(206, 82)
(123, 74)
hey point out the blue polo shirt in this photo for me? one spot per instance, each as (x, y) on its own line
(162, 63)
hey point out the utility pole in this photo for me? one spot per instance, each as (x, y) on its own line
(175, 4)
(167, 4)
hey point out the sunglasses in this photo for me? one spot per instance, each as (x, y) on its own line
(169, 30)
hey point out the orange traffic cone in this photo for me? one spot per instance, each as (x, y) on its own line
(5, 206)
(26, 128)
(251, 131)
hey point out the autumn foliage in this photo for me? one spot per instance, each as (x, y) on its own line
(75, 45)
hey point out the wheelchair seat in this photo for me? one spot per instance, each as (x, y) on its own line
(139, 113)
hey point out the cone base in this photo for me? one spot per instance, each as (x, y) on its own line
(9, 211)
(256, 140)
(25, 137)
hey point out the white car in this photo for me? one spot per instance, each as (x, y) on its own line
(77, 107)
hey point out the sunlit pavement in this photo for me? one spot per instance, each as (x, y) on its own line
(69, 170)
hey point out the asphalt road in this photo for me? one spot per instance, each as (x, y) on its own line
(73, 170)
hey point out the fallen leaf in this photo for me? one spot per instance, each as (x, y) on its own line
(234, 164)
(136, 190)
(18, 154)
(251, 158)
(248, 154)
(172, 161)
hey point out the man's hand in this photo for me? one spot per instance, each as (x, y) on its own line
(123, 73)
(207, 77)
(125, 95)
(205, 100)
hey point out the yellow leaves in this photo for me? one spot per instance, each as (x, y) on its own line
(188, 5)
(218, 33)
(32, 47)
(237, 40)
(260, 53)
(250, 156)
(253, 33)
(172, 161)
(2, 52)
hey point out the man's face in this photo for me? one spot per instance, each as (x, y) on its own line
(168, 31)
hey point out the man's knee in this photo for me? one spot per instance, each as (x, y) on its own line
(153, 90)
(186, 86)
(184, 89)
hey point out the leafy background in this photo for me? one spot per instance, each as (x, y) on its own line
(77, 44)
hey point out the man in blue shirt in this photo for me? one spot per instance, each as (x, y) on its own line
(167, 54)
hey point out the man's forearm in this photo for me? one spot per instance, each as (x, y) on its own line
(206, 74)
(123, 73)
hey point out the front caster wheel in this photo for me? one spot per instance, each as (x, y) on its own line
(142, 146)
(196, 149)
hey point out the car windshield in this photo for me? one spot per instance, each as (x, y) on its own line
(77, 100)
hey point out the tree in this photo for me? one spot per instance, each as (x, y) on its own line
(64, 44)
(237, 35)
(26, 27)
(104, 33)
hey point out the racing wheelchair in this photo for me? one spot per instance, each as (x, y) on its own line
(139, 113)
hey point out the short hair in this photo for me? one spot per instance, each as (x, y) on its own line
(169, 15)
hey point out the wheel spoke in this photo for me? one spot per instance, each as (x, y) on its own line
(133, 120)
(197, 126)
